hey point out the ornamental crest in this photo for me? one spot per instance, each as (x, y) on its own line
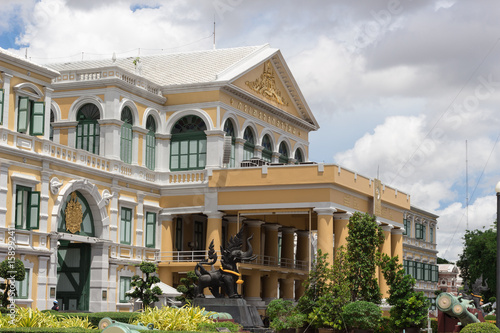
(266, 85)
(73, 215)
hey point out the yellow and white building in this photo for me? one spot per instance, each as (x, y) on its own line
(107, 163)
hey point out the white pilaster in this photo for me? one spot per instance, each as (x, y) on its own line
(6, 99)
(48, 102)
(4, 176)
(215, 146)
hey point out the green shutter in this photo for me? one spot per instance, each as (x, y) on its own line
(22, 287)
(124, 288)
(37, 119)
(34, 210)
(150, 229)
(20, 207)
(126, 226)
(150, 150)
(23, 114)
(126, 143)
(1, 106)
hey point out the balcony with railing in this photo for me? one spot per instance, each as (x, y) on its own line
(180, 257)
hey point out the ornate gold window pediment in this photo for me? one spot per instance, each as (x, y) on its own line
(74, 215)
(266, 85)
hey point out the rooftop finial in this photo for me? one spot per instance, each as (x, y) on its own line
(113, 57)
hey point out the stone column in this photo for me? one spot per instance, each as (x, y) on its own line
(253, 288)
(232, 226)
(167, 233)
(303, 246)
(112, 287)
(341, 230)
(4, 176)
(110, 136)
(137, 132)
(48, 102)
(44, 199)
(325, 231)
(138, 238)
(214, 230)
(287, 288)
(113, 215)
(215, 144)
(43, 300)
(6, 100)
(288, 247)
(254, 228)
(385, 248)
(238, 151)
(270, 287)
(271, 244)
(99, 277)
(397, 244)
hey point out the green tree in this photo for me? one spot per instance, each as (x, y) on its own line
(363, 241)
(11, 270)
(142, 287)
(443, 261)
(478, 259)
(187, 287)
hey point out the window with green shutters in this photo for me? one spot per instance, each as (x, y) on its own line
(424, 233)
(30, 115)
(435, 273)
(27, 208)
(249, 145)
(412, 268)
(431, 234)
(1, 106)
(427, 272)
(87, 131)
(199, 236)
(126, 226)
(188, 150)
(150, 229)
(420, 271)
(229, 129)
(267, 151)
(124, 288)
(419, 231)
(23, 287)
(126, 136)
(407, 226)
(283, 150)
(151, 143)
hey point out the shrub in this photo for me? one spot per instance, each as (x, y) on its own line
(362, 315)
(46, 330)
(95, 318)
(480, 328)
(490, 317)
(72, 322)
(28, 317)
(283, 315)
(174, 319)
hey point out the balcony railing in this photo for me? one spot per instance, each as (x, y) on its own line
(262, 260)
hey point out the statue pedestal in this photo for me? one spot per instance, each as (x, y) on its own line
(244, 314)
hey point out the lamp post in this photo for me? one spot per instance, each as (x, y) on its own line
(497, 189)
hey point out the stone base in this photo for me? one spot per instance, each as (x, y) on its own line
(244, 314)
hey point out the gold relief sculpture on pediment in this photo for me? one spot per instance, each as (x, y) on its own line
(74, 214)
(266, 85)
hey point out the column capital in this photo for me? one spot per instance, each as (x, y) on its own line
(215, 132)
(272, 226)
(166, 216)
(253, 223)
(397, 231)
(342, 216)
(240, 141)
(387, 227)
(231, 218)
(325, 210)
(288, 230)
(214, 215)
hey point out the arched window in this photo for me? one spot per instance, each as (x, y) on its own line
(76, 203)
(283, 150)
(229, 129)
(267, 152)
(188, 144)
(52, 119)
(127, 135)
(87, 131)
(249, 146)
(298, 156)
(150, 143)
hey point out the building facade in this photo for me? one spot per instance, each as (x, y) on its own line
(449, 278)
(104, 164)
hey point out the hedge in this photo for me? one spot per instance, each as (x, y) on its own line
(94, 318)
(47, 330)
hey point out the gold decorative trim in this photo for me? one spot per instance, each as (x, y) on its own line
(266, 85)
(74, 215)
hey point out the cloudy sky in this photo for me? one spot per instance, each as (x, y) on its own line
(398, 86)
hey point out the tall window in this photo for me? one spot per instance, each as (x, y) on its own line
(188, 149)
(420, 271)
(30, 115)
(283, 150)
(299, 157)
(124, 288)
(52, 119)
(424, 233)
(87, 131)
(126, 226)
(150, 229)
(151, 143)
(27, 208)
(127, 135)
(1, 106)
(229, 129)
(419, 231)
(249, 146)
(198, 236)
(431, 234)
(407, 226)
(178, 234)
(267, 151)
(22, 287)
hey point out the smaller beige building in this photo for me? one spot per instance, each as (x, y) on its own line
(449, 278)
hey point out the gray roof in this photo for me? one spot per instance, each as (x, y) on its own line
(175, 68)
(28, 64)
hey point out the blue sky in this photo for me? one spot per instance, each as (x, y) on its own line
(397, 86)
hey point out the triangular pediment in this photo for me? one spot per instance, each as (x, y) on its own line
(271, 82)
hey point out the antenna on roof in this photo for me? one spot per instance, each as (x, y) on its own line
(26, 54)
(113, 58)
(214, 31)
